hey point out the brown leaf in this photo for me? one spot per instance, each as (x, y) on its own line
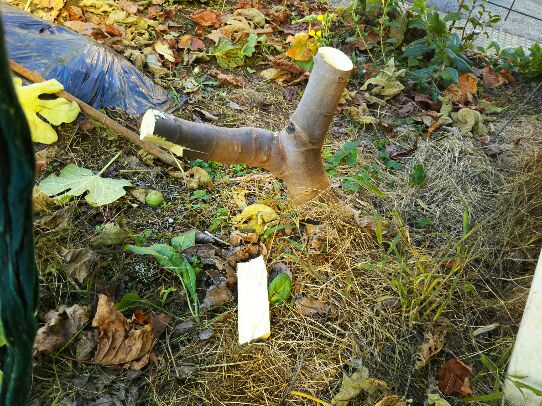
(121, 340)
(207, 18)
(79, 263)
(190, 42)
(75, 13)
(454, 378)
(465, 90)
(286, 65)
(309, 307)
(508, 76)
(155, 12)
(251, 4)
(60, 327)
(128, 6)
(492, 79)
(433, 341)
(114, 30)
(279, 14)
(216, 296)
(425, 99)
(227, 79)
(197, 178)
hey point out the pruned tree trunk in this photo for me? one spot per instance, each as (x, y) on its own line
(293, 154)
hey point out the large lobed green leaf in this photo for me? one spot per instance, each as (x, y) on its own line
(75, 181)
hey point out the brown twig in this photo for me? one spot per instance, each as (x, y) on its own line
(98, 116)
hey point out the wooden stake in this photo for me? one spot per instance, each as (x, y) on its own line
(90, 111)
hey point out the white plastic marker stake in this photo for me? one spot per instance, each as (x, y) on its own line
(253, 302)
(525, 366)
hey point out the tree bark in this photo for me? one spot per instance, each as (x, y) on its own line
(293, 154)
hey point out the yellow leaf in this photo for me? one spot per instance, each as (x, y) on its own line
(303, 47)
(54, 4)
(256, 218)
(163, 49)
(56, 111)
(272, 73)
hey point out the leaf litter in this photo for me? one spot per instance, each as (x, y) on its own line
(239, 30)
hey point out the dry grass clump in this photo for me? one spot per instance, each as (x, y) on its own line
(461, 181)
(305, 352)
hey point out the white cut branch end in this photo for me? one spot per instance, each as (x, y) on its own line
(336, 58)
(146, 132)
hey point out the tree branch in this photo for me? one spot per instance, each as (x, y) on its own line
(293, 154)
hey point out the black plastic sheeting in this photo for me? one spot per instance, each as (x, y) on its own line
(88, 70)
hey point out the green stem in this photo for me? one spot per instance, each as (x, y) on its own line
(109, 163)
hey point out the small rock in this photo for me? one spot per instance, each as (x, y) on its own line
(205, 334)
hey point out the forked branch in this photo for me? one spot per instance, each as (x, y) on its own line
(293, 154)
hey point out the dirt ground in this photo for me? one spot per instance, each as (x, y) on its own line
(376, 308)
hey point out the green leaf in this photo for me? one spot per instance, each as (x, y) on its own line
(128, 300)
(356, 182)
(172, 260)
(417, 176)
(436, 25)
(522, 385)
(280, 288)
(349, 152)
(485, 398)
(250, 46)
(459, 61)
(454, 16)
(228, 55)
(449, 75)
(75, 181)
(417, 48)
(423, 222)
(184, 241)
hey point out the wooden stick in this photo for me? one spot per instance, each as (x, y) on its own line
(98, 116)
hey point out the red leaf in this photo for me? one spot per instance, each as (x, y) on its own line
(454, 378)
(190, 42)
(423, 98)
(491, 78)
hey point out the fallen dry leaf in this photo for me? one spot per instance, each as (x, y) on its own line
(392, 401)
(428, 101)
(454, 378)
(227, 79)
(433, 341)
(113, 233)
(123, 341)
(75, 13)
(207, 18)
(309, 307)
(354, 384)
(216, 296)
(237, 238)
(163, 49)
(279, 14)
(492, 79)
(190, 42)
(465, 90)
(128, 6)
(60, 327)
(79, 264)
(197, 178)
(41, 202)
(53, 4)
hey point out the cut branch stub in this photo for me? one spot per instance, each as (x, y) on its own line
(293, 154)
